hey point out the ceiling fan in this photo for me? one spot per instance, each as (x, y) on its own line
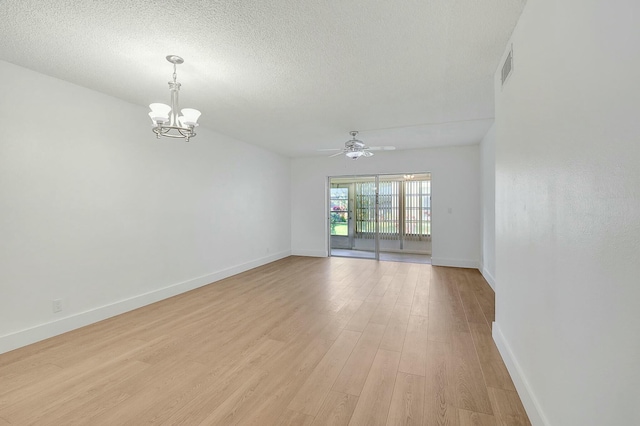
(354, 148)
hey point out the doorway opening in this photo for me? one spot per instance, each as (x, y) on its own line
(383, 217)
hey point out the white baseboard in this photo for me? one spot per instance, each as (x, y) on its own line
(310, 253)
(40, 332)
(487, 276)
(456, 263)
(530, 402)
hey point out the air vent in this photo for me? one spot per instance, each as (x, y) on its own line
(507, 67)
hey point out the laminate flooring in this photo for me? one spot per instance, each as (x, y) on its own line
(300, 341)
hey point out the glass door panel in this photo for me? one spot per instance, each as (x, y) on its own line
(352, 224)
(386, 217)
(339, 216)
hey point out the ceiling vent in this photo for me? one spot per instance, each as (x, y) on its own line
(507, 67)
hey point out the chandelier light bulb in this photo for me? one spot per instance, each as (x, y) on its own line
(159, 113)
(189, 117)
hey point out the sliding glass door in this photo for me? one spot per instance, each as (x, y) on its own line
(352, 205)
(385, 217)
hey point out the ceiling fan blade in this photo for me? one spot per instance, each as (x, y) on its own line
(381, 148)
(329, 149)
(336, 154)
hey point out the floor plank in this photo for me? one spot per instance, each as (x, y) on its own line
(440, 392)
(292, 418)
(396, 330)
(472, 308)
(471, 390)
(384, 310)
(414, 350)
(407, 402)
(470, 418)
(508, 407)
(420, 303)
(361, 318)
(373, 405)
(406, 292)
(310, 397)
(356, 369)
(495, 372)
(336, 410)
(340, 320)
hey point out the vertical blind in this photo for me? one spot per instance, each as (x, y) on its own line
(403, 205)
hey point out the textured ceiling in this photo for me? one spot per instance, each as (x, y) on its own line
(290, 75)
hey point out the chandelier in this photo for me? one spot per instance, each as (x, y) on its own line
(166, 121)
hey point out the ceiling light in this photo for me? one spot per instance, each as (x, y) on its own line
(354, 148)
(166, 121)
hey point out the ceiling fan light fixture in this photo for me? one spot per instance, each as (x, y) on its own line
(354, 148)
(354, 154)
(166, 121)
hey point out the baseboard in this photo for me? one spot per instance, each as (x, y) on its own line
(487, 276)
(310, 253)
(456, 263)
(44, 331)
(530, 402)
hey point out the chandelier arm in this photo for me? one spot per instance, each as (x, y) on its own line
(185, 132)
(180, 132)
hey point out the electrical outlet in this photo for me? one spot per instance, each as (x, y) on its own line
(56, 305)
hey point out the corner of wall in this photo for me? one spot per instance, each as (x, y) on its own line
(530, 402)
(487, 276)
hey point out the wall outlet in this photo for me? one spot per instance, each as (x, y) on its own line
(56, 305)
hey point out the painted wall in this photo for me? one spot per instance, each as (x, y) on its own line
(488, 201)
(568, 212)
(455, 186)
(96, 211)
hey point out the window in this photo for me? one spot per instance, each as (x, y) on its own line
(403, 204)
(389, 208)
(365, 200)
(339, 211)
(417, 206)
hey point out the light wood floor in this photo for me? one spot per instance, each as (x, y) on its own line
(301, 341)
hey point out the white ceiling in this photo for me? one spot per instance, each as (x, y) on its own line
(290, 75)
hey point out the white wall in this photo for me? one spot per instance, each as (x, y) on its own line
(488, 202)
(96, 211)
(568, 212)
(455, 185)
